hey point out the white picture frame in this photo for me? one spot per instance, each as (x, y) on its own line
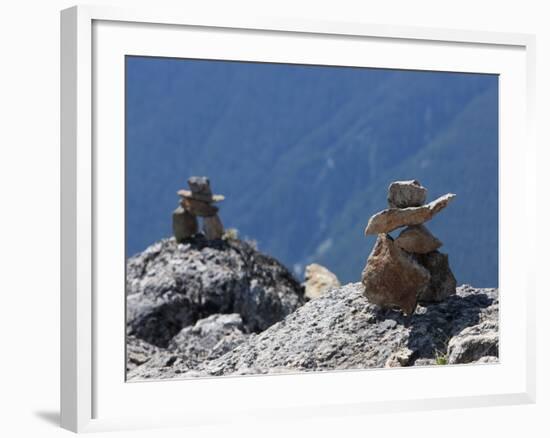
(94, 41)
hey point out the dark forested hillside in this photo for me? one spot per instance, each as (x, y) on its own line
(304, 155)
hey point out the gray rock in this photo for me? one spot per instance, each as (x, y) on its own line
(184, 224)
(442, 281)
(417, 239)
(474, 343)
(216, 334)
(488, 359)
(393, 218)
(170, 286)
(138, 352)
(392, 277)
(402, 194)
(207, 339)
(342, 330)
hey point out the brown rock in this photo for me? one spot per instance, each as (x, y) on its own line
(184, 224)
(417, 239)
(393, 218)
(319, 280)
(213, 227)
(442, 281)
(199, 208)
(403, 194)
(392, 277)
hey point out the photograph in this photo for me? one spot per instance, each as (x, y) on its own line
(290, 218)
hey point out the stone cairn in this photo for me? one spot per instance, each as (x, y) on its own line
(198, 201)
(402, 271)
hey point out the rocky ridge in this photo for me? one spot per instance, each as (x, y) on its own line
(343, 330)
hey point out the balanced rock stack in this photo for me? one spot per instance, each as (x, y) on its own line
(198, 201)
(410, 268)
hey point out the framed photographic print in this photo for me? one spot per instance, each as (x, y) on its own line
(257, 208)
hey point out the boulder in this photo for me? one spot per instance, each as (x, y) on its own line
(342, 330)
(442, 281)
(393, 218)
(392, 277)
(184, 224)
(213, 227)
(318, 280)
(170, 286)
(417, 239)
(403, 194)
(474, 344)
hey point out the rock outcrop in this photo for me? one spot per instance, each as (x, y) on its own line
(173, 285)
(343, 330)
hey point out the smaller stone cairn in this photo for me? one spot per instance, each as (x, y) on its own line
(197, 202)
(402, 271)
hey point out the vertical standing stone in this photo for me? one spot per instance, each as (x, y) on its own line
(184, 224)
(213, 227)
(392, 277)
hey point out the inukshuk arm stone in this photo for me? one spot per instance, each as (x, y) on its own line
(393, 218)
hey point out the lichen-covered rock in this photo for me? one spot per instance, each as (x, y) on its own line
(170, 286)
(392, 277)
(393, 218)
(343, 330)
(442, 280)
(417, 239)
(403, 194)
(319, 280)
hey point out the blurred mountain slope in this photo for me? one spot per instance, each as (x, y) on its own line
(304, 155)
